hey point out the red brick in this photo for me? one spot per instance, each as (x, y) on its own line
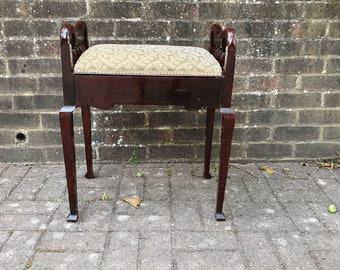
(320, 83)
(298, 65)
(316, 150)
(269, 150)
(294, 133)
(294, 100)
(253, 66)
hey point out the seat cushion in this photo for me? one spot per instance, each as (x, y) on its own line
(147, 60)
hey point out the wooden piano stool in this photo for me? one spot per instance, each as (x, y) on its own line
(105, 75)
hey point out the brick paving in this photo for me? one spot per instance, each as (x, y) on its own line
(274, 221)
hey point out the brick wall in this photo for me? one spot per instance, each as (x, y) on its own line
(286, 94)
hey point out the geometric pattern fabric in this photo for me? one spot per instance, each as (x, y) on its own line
(147, 60)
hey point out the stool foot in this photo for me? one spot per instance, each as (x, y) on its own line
(220, 217)
(89, 175)
(72, 218)
(207, 175)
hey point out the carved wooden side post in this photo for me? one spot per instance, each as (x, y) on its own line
(223, 47)
(73, 42)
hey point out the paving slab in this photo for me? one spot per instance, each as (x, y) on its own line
(122, 250)
(293, 253)
(64, 260)
(274, 221)
(258, 251)
(209, 259)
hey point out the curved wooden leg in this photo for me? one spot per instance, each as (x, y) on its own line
(208, 141)
(67, 136)
(228, 122)
(86, 117)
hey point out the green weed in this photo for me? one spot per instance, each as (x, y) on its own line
(105, 197)
(214, 169)
(133, 160)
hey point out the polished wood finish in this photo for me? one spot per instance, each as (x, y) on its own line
(104, 91)
(67, 135)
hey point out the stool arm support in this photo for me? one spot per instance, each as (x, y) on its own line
(223, 48)
(229, 71)
(67, 42)
(220, 43)
(73, 42)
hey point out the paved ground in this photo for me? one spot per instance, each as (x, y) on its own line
(274, 221)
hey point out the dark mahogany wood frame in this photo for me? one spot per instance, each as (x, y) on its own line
(105, 91)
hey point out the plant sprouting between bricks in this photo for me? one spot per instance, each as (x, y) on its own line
(133, 160)
(214, 169)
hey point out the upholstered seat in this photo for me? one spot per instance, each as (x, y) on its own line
(148, 60)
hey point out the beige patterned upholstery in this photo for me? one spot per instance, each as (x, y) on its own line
(148, 60)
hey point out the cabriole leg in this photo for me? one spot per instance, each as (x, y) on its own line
(86, 117)
(67, 136)
(228, 122)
